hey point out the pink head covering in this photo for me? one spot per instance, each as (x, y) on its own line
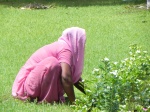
(75, 38)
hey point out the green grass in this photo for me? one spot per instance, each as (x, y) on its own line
(110, 30)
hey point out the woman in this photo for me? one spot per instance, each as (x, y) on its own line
(53, 69)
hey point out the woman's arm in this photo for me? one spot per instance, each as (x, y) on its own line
(67, 82)
(80, 85)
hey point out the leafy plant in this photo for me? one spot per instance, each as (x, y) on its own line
(119, 86)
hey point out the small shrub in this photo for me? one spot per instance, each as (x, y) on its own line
(119, 86)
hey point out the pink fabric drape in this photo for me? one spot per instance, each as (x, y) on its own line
(75, 37)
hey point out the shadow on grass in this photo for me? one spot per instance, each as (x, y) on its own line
(70, 3)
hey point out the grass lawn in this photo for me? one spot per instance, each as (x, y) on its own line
(110, 29)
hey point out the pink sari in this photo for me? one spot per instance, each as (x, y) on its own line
(40, 76)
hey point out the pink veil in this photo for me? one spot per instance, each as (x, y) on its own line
(75, 37)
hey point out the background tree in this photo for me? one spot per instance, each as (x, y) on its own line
(148, 4)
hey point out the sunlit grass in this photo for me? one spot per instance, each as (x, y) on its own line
(110, 30)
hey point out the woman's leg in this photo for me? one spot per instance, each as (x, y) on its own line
(44, 81)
